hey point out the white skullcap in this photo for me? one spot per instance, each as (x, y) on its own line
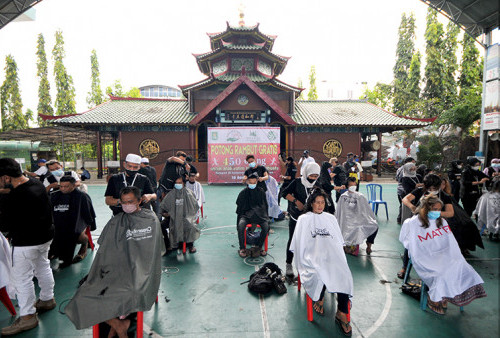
(144, 160)
(133, 158)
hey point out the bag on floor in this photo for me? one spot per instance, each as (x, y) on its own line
(267, 278)
(412, 289)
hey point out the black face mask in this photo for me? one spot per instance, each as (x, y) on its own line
(8, 186)
(311, 180)
(131, 172)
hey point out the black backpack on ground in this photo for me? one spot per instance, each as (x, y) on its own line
(267, 278)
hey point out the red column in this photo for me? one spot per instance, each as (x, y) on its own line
(291, 139)
(379, 155)
(192, 144)
(115, 153)
(99, 155)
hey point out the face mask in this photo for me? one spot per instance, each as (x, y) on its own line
(129, 208)
(58, 172)
(311, 180)
(178, 186)
(352, 188)
(357, 160)
(252, 165)
(459, 167)
(252, 186)
(434, 192)
(478, 167)
(496, 165)
(131, 172)
(433, 214)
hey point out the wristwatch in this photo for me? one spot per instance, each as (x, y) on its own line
(294, 200)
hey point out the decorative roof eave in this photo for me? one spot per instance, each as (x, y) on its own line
(281, 84)
(52, 117)
(242, 30)
(243, 79)
(200, 57)
(424, 120)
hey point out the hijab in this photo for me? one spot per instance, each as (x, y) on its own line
(309, 169)
(324, 176)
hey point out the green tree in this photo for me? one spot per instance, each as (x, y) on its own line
(470, 67)
(300, 85)
(434, 90)
(313, 91)
(65, 98)
(95, 96)
(413, 107)
(44, 99)
(380, 95)
(116, 90)
(11, 105)
(451, 65)
(404, 54)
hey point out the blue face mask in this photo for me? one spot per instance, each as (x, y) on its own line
(433, 214)
(178, 186)
(252, 165)
(58, 172)
(252, 186)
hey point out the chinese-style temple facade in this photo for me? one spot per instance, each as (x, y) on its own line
(241, 88)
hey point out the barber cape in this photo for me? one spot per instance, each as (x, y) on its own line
(319, 256)
(182, 208)
(5, 266)
(356, 218)
(488, 211)
(273, 209)
(197, 190)
(437, 259)
(125, 275)
(73, 213)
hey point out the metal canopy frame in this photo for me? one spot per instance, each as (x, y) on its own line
(474, 16)
(11, 9)
(52, 135)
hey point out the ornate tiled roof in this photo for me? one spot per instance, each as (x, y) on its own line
(348, 113)
(120, 111)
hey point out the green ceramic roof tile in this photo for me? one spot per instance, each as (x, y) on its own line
(126, 111)
(349, 113)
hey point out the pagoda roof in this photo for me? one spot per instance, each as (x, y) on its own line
(241, 30)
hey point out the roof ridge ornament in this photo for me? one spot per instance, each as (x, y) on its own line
(241, 8)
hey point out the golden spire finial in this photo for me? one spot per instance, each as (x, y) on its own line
(241, 8)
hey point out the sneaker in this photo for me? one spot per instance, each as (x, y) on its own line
(20, 325)
(289, 270)
(45, 305)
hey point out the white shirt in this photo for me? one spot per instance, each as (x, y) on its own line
(305, 161)
(73, 174)
(41, 171)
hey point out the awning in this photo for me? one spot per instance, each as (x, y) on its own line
(51, 135)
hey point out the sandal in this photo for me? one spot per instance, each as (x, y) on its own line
(368, 249)
(343, 325)
(401, 273)
(80, 257)
(192, 249)
(435, 306)
(242, 253)
(318, 307)
(263, 253)
(444, 304)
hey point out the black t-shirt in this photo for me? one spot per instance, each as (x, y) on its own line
(340, 176)
(419, 192)
(291, 170)
(150, 173)
(260, 170)
(170, 172)
(116, 183)
(298, 191)
(27, 215)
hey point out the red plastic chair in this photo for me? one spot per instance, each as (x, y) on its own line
(4, 297)
(245, 235)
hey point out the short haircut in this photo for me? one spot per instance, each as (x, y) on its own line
(254, 175)
(10, 167)
(350, 154)
(432, 180)
(409, 159)
(52, 162)
(249, 157)
(290, 158)
(189, 159)
(134, 190)
(180, 153)
(68, 178)
(334, 159)
(351, 179)
(315, 194)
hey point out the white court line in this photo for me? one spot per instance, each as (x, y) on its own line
(388, 302)
(263, 313)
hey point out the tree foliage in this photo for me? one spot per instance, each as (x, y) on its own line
(117, 90)
(313, 91)
(95, 97)
(470, 67)
(11, 105)
(380, 95)
(300, 85)
(404, 54)
(451, 66)
(65, 98)
(44, 99)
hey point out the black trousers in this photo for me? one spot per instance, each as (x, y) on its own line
(342, 300)
(291, 228)
(371, 238)
(469, 202)
(400, 199)
(242, 223)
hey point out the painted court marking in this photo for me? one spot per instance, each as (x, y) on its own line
(263, 313)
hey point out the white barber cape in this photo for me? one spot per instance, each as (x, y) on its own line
(488, 211)
(317, 245)
(198, 192)
(356, 219)
(5, 266)
(273, 209)
(437, 259)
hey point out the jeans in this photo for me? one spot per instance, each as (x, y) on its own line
(242, 223)
(29, 261)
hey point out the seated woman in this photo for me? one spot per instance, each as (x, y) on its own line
(317, 245)
(181, 206)
(356, 218)
(436, 257)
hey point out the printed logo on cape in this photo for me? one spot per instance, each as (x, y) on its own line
(139, 234)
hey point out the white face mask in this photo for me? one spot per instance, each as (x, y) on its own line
(459, 166)
(478, 167)
(352, 188)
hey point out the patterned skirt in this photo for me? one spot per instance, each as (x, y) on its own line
(476, 291)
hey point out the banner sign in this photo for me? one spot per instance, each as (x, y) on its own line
(228, 148)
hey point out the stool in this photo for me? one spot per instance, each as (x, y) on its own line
(91, 243)
(245, 235)
(4, 297)
(423, 288)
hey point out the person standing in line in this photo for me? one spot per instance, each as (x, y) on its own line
(455, 176)
(472, 182)
(400, 190)
(304, 160)
(339, 177)
(27, 217)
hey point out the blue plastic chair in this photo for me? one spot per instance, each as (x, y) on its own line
(372, 198)
(423, 289)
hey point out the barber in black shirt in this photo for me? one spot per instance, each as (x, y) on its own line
(130, 177)
(256, 168)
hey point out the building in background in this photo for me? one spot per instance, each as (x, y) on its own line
(160, 91)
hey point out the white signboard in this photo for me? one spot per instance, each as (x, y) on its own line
(491, 118)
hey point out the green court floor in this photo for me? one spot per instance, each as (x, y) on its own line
(201, 296)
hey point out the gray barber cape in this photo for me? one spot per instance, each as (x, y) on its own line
(125, 275)
(356, 219)
(182, 207)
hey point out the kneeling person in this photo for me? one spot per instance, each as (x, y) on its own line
(252, 209)
(125, 275)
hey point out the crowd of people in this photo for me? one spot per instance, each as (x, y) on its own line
(156, 217)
